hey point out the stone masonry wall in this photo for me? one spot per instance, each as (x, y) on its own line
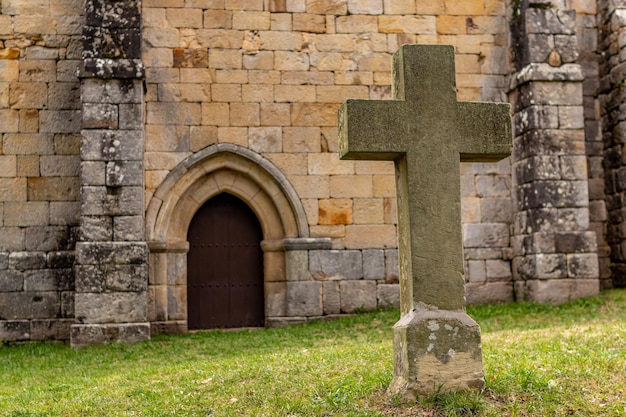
(40, 49)
(270, 75)
(612, 95)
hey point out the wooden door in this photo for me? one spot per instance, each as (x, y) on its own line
(225, 266)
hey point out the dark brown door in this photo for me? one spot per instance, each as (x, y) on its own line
(225, 266)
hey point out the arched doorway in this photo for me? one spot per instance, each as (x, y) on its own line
(225, 266)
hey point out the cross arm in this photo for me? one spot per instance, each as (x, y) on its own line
(370, 129)
(485, 131)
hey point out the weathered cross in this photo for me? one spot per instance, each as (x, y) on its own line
(426, 132)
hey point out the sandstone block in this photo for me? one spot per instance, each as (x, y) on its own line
(485, 235)
(384, 186)
(29, 305)
(11, 238)
(29, 121)
(357, 295)
(99, 145)
(11, 280)
(59, 121)
(48, 238)
(280, 41)
(331, 297)
(173, 113)
(334, 7)
(374, 264)
(314, 114)
(312, 23)
(202, 136)
(357, 23)
(307, 186)
(265, 139)
(304, 298)
(556, 291)
(9, 70)
(63, 96)
(226, 92)
(475, 271)
(9, 120)
(128, 228)
(335, 211)
(301, 139)
(12, 189)
(294, 164)
(124, 173)
(53, 188)
(582, 265)
(388, 295)
(294, 93)
(114, 307)
(184, 18)
(28, 95)
(336, 264)
(37, 70)
(391, 265)
(51, 329)
(347, 186)
(29, 213)
(368, 211)
(370, 236)
(488, 293)
(14, 330)
(218, 19)
(297, 265)
(251, 20)
(244, 114)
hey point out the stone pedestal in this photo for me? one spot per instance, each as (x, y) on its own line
(436, 351)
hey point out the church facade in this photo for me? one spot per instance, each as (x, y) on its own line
(168, 165)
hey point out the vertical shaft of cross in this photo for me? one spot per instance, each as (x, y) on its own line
(426, 132)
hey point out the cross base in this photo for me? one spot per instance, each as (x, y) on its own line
(436, 351)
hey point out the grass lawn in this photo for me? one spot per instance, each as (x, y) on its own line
(539, 361)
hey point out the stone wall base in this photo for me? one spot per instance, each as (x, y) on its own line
(44, 329)
(556, 291)
(83, 335)
(436, 351)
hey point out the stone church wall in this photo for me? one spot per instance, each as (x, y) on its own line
(264, 79)
(40, 121)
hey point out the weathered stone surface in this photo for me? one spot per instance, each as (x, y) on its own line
(357, 295)
(11, 280)
(373, 264)
(15, 330)
(331, 297)
(119, 253)
(444, 353)
(51, 329)
(297, 265)
(388, 295)
(29, 305)
(336, 264)
(488, 293)
(117, 307)
(304, 299)
(556, 291)
(23, 261)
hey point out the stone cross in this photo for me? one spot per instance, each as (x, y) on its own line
(426, 132)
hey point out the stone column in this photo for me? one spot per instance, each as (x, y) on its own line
(111, 255)
(612, 22)
(555, 253)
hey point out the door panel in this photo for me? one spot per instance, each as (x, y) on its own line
(225, 266)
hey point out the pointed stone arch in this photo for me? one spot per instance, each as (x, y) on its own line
(219, 168)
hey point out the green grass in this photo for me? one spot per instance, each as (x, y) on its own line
(539, 361)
